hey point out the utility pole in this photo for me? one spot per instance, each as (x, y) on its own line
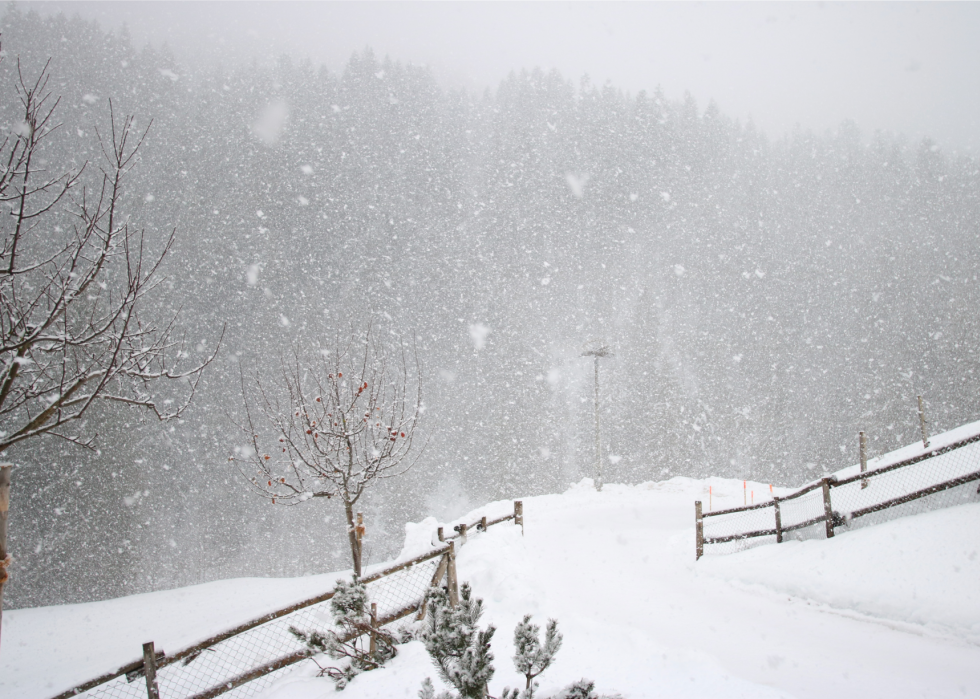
(597, 349)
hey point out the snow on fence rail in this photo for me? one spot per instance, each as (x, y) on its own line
(246, 659)
(940, 477)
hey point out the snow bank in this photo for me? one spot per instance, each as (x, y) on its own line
(96, 637)
(917, 571)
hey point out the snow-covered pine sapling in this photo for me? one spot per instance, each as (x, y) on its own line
(531, 658)
(352, 641)
(459, 649)
(429, 692)
(582, 689)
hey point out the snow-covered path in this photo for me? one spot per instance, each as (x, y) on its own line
(628, 572)
(886, 611)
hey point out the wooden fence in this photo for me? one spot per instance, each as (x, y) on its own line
(837, 502)
(183, 675)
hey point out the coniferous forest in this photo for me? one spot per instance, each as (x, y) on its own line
(765, 299)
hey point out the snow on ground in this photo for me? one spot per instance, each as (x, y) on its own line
(96, 637)
(885, 611)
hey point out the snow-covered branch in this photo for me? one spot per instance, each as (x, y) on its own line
(73, 281)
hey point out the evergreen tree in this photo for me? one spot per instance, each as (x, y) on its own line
(352, 642)
(530, 657)
(456, 644)
(461, 652)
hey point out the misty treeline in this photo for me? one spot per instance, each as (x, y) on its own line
(765, 300)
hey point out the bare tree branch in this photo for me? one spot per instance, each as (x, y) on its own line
(73, 280)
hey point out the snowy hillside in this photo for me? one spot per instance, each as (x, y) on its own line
(887, 611)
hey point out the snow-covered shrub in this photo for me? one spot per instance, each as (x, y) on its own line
(352, 640)
(530, 657)
(461, 652)
(457, 646)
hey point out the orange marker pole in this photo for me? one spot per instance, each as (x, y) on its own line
(744, 494)
(709, 498)
(753, 497)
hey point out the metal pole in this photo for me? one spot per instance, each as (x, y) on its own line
(596, 350)
(598, 453)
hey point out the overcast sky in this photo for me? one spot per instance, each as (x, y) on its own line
(899, 67)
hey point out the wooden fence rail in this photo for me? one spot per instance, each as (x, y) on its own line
(831, 518)
(149, 665)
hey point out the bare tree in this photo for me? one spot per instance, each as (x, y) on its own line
(73, 278)
(332, 425)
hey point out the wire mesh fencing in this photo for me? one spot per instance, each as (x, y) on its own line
(740, 528)
(244, 663)
(943, 477)
(937, 480)
(247, 659)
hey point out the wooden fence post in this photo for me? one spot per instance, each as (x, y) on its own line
(828, 511)
(4, 507)
(922, 424)
(150, 671)
(451, 581)
(699, 530)
(462, 533)
(373, 643)
(779, 520)
(519, 514)
(483, 523)
(441, 570)
(863, 447)
(442, 537)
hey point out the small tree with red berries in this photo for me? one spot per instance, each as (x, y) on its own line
(332, 425)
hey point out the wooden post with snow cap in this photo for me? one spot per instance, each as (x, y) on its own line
(373, 643)
(863, 447)
(699, 530)
(779, 520)
(922, 424)
(519, 514)
(451, 583)
(150, 671)
(442, 536)
(828, 511)
(483, 523)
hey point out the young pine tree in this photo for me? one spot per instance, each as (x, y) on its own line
(351, 642)
(457, 646)
(461, 652)
(531, 658)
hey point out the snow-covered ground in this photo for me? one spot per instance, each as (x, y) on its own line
(886, 611)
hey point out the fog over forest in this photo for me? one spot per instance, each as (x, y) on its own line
(764, 299)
